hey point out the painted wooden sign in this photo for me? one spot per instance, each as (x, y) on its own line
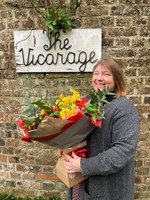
(75, 51)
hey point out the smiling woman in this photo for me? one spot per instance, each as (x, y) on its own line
(102, 77)
(107, 72)
(110, 163)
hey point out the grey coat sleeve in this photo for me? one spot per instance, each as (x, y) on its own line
(124, 132)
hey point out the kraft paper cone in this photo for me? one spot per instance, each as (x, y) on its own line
(61, 133)
(74, 134)
(47, 127)
(69, 179)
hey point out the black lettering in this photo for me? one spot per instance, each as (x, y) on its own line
(71, 58)
(27, 63)
(82, 59)
(92, 55)
(23, 59)
(50, 58)
(38, 60)
(63, 61)
(54, 40)
(66, 42)
(82, 67)
(28, 59)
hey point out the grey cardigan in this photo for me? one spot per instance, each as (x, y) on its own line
(110, 164)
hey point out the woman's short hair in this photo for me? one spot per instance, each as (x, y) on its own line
(117, 72)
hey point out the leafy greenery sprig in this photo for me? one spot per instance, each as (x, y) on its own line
(31, 113)
(57, 16)
(56, 19)
(94, 106)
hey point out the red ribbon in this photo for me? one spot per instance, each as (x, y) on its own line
(79, 152)
(97, 122)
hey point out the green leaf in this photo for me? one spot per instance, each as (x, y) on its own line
(94, 117)
(30, 108)
(94, 106)
(41, 105)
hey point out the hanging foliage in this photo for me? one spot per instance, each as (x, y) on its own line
(56, 15)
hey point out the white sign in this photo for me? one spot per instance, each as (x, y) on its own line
(75, 51)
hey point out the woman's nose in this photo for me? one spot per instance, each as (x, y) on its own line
(100, 77)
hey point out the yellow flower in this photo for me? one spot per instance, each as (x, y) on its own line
(67, 104)
(42, 112)
(57, 102)
(74, 108)
(64, 113)
(76, 95)
(66, 101)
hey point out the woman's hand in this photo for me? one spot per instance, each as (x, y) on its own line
(72, 163)
(59, 153)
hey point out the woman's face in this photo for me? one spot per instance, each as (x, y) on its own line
(102, 77)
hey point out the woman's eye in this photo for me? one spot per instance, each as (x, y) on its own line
(95, 73)
(107, 74)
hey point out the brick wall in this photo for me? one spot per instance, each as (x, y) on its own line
(29, 168)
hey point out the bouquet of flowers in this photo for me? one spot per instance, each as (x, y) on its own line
(65, 122)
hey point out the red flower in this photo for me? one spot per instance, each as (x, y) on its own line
(81, 104)
(21, 124)
(55, 108)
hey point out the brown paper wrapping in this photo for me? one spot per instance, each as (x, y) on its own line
(68, 179)
(73, 135)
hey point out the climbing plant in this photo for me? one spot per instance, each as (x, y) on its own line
(56, 15)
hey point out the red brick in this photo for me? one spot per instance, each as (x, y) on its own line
(21, 168)
(46, 177)
(138, 179)
(3, 158)
(139, 163)
(15, 175)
